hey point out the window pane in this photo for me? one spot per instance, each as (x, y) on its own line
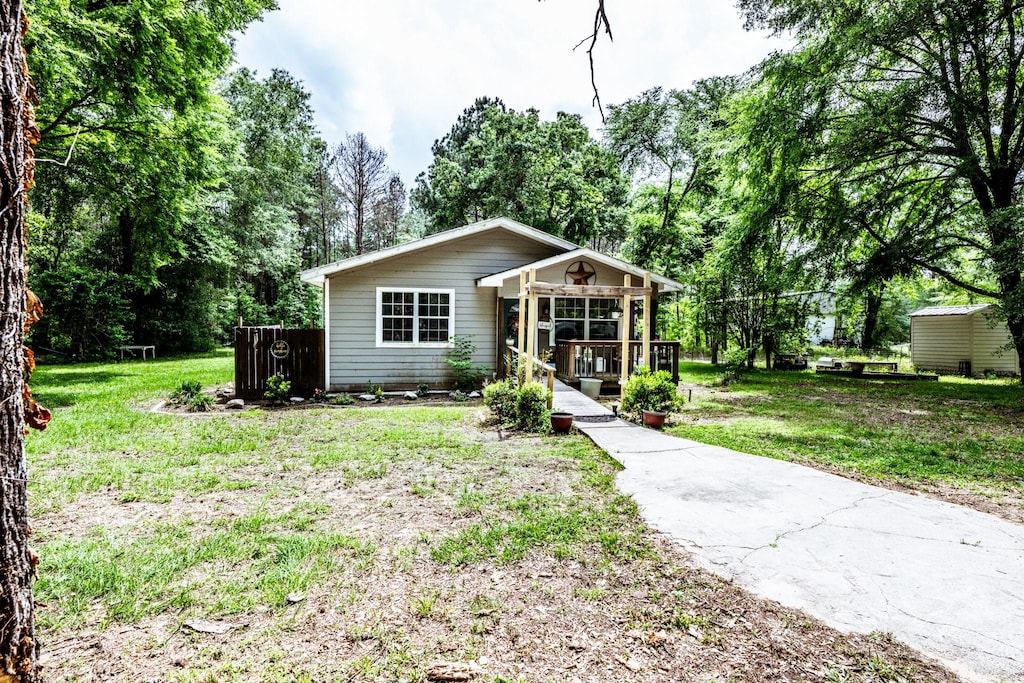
(604, 329)
(572, 308)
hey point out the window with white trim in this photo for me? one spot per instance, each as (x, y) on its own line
(415, 317)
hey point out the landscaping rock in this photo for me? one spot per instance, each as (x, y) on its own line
(474, 394)
(235, 404)
(410, 395)
(297, 399)
(367, 397)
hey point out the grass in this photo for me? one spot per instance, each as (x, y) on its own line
(362, 544)
(960, 432)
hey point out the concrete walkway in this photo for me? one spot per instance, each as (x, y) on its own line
(942, 578)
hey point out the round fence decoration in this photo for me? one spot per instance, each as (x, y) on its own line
(280, 349)
(579, 273)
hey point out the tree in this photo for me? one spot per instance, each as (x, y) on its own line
(921, 103)
(18, 646)
(549, 174)
(371, 194)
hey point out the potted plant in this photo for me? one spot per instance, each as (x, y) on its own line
(653, 394)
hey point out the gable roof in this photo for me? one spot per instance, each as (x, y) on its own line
(577, 254)
(315, 276)
(949, 310)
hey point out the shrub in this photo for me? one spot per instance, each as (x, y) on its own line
(532, 408)
(500, 398)
(736, 363)
(523, 407)
(278, 388)
(200, 403)
(422, 389)
(466, 375)
(186, 391)
(318, 396)
(650, 390)
(343, 400)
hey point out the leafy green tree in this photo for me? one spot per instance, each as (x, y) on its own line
(918, 104)
(548, 174)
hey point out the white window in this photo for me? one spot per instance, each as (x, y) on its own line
(589, 319)
(415, 317)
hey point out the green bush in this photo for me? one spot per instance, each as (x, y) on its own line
(500, 398)
(343, 400)
(736, 363)
(532, 408)
(647, 390)
(200, 403)
(278, 388)
(466, 375)
(186, 391)
(521, 407)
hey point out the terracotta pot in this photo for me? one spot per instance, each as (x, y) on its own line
(561, 423)
(654, 418)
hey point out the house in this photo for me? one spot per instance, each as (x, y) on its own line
(389, 315)
(962, 339)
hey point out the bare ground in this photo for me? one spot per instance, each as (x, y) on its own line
(592, 614)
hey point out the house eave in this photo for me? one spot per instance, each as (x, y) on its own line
(581, 253)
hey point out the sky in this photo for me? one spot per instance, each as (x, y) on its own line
(401, 71)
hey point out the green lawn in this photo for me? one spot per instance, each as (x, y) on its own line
(370, 543)
(957, 432)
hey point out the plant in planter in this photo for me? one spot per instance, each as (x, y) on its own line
(651, 393)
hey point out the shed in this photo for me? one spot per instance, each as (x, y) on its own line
(962, 339)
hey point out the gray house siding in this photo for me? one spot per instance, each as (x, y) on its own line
(356, 360)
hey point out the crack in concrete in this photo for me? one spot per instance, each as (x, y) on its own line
(960, 628)
(931, 539)
(823, 520)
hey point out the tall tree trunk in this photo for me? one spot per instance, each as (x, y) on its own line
(17, 629)
(872, 307)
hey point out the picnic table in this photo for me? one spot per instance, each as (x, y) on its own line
(859, 366)
(134, 349)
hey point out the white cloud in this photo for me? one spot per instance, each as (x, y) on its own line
(402, 71)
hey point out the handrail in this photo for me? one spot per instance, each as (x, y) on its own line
(540, 365)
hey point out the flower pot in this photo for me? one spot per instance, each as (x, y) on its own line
(591, 387)
(654, 418)
(561, 423)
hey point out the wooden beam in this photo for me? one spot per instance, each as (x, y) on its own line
(593, 291)
(522, 321)
(531, 339)
(647, 321)
(624, 369)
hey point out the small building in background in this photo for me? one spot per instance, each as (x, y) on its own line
(968, 340)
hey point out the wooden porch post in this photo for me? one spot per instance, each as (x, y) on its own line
(522, 320)
(627, 281)
(531, 340)
(647, 321)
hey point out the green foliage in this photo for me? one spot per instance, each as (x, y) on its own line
(500, 398)
(736, 363)
(200, 403)
(422, 389)
(466, 375)
(186, 391)
(532, 408)
(278, 388)
(521, 406)
(650, 390)
(343, 400)
(499, 162)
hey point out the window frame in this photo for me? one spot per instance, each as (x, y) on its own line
(415, 343)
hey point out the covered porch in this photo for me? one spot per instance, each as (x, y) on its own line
(580, 315)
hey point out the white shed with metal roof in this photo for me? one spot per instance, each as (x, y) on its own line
(962, 339)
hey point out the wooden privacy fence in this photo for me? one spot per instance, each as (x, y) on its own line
(262, 352)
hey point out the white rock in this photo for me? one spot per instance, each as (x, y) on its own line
(235, 404)
(298, 399)
(474, 394)
(411, 395)
(367, 397)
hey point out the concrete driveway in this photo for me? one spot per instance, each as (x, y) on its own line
(942, 578)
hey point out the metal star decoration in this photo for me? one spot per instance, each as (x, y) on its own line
(581, 272)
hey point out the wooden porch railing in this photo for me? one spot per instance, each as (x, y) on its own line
(601, 359)
(513, 358)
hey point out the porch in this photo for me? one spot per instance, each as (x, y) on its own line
(603, 359)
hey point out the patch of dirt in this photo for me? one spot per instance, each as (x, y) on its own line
(652, 617)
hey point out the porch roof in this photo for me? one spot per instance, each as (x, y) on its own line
(498, 279)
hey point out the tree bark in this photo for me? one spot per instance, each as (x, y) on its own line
(17, 632)
(872, 308)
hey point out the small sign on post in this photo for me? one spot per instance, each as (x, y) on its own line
(280, 349)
